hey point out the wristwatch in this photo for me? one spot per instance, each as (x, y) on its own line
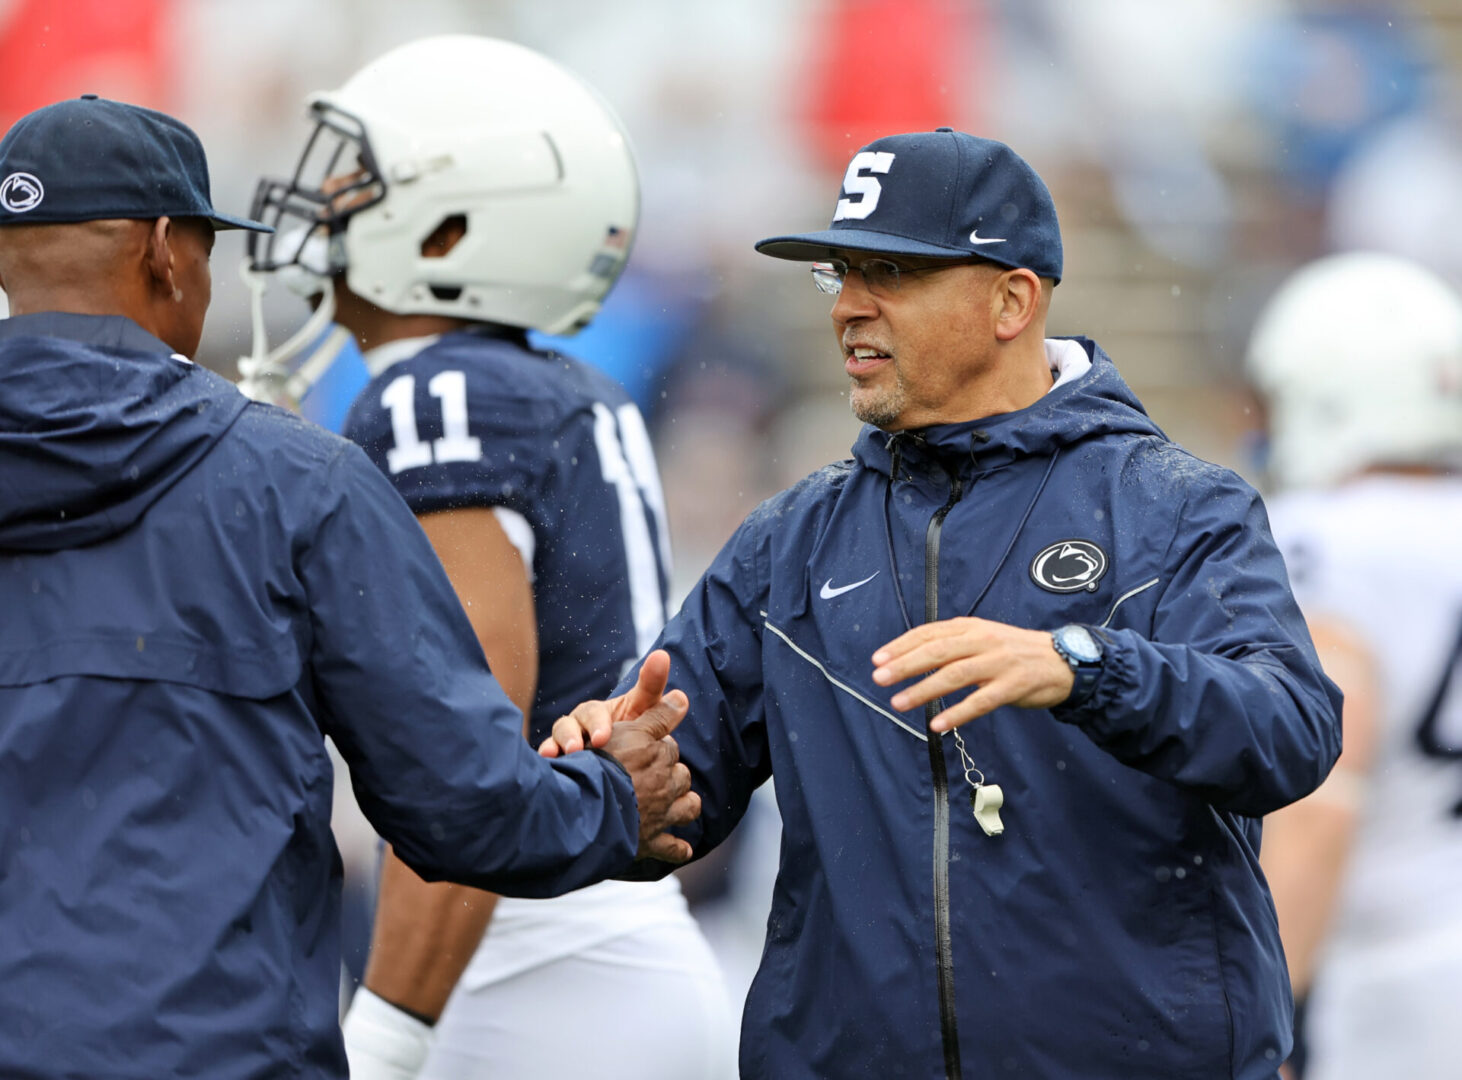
(1080, 648)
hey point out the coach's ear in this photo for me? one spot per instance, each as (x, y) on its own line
(1015, 299)
(158, 258)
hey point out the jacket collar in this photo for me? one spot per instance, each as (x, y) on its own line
(107, 331)
(1082, 403)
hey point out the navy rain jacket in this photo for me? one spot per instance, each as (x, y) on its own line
(1120, 926)
(194, 590)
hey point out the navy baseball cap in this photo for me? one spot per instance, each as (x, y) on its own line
(92, 159)
(942, 195)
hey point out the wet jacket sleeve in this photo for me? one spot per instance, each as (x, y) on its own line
(1226, 697)
(714, 643)
(435, 748)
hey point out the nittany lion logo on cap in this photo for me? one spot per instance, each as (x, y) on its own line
(1069, 566)
(20, 191)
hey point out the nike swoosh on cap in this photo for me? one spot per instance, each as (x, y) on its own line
(828, 592)
(976, 238)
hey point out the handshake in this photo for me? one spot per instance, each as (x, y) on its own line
(634, 729)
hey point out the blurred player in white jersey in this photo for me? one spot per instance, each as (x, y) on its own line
(1360, 359)
(471, 190)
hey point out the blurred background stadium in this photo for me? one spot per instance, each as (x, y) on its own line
(1198, 151)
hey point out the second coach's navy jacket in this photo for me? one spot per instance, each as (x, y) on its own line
(1120, 926)
(194, 591)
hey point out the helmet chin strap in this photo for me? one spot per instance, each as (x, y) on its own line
(276, 376)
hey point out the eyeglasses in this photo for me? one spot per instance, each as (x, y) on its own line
(880, 275)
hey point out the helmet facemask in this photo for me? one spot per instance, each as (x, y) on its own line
(308, 212)
(337, 176)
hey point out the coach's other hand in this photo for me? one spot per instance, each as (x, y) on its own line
(1007, 665)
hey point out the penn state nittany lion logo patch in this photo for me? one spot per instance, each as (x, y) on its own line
(1069, 566)
(20, 191)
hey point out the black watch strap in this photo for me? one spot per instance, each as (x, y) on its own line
(1086, 669)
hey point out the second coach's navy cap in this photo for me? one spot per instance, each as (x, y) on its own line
(938, 194)
(92, 159)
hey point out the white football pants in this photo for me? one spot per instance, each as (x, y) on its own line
(649, 1005)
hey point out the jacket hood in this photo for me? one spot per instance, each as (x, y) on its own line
(1097, 403)
(98, 419)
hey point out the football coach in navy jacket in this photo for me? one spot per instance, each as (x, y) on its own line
(194, 590)
(1055, 874)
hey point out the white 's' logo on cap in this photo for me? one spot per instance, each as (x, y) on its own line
(20, 191)
(866, 187)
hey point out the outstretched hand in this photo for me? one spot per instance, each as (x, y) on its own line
(595, 719)
(635, 727)
(1006, 664)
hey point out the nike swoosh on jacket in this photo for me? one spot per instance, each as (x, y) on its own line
(827, 592)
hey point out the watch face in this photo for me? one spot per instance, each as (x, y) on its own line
(1077, 641)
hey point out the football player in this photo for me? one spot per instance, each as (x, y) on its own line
(1359, 357)
(461, 191)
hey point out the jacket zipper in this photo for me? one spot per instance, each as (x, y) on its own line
(943, 946)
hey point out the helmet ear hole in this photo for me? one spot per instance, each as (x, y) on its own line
(447, 235)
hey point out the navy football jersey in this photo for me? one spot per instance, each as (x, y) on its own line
(474, 419)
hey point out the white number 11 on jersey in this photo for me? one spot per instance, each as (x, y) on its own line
(448, 387)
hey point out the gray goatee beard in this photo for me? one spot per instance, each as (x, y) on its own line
(879, 408)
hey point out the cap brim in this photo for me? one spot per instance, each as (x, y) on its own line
(817, 246)
(228, 221)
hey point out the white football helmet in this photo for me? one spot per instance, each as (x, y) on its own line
(1360, 359)
(486, 131)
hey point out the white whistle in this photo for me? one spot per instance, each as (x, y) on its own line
(987, 799)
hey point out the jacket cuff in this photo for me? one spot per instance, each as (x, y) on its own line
(647, 870)
(618, 777)
(614, 763)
